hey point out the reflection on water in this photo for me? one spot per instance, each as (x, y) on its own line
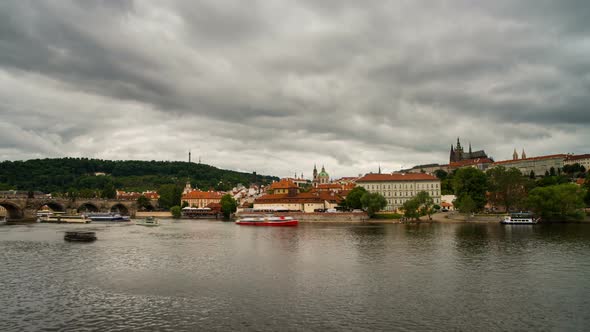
(202, 275)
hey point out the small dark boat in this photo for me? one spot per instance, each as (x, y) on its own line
(80, 236)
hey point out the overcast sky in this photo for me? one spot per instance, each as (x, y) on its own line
(276, 86)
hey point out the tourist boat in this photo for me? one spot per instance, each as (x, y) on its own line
(62, 218)
(148, 221)
(108, 216)
(521, 218)
(267, 221)
(80, 236)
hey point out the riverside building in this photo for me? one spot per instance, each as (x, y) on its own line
(398, 188)
(538, 165)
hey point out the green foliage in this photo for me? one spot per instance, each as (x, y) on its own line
(184, 204)
(473, 183)
(143, 202)
(411, 209)
(446, 184)
(507, 187)
(552, 181)
(176, 212)
(353, 199)
(109, 191)
(373, 203)
(170, 195)
(228, 205)
(586, 187)
(558, 202)
(421, 205)
(441, 174)
(57, 175)
(466, 204)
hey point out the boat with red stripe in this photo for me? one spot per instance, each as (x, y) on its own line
(269, 220)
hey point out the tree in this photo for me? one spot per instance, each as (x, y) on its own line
(507, 187)
(532, 175)
(466, 204)
(552, 171)
(441, 174)
(558, 202)
(353, 199)
(184, 204)
(473, 183)
(176, 212)
(411, 209)
(421, 205)
(170, 195)
(228, 205)
(373, 203)
(143, 202)
(109, 191)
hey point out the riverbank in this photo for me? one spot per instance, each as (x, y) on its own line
(326, 217)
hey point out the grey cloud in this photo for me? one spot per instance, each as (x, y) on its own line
(389, 81)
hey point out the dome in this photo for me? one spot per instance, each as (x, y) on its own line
(324, 174)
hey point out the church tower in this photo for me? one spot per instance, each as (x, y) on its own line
(515, 155)
(452, 156)
(523, 155)
(315, 173)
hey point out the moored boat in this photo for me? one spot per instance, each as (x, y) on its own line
(267, 221)
(148, 221)
(61, 218)
(521, 218)
(80, 236)
(108, 216)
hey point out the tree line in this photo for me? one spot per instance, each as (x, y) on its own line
(82, 177)
(554, 196)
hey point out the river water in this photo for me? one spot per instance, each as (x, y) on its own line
(209, 275)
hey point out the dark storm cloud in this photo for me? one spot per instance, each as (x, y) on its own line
(349, 83)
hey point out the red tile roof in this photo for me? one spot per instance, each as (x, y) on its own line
(197, 194)
(397, 177)
(578, 157)
(283, 184)
(552, 156)
(309, 197)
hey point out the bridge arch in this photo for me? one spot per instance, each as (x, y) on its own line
(13, 211)
(120, 208)
(54, 206)
(88, 207)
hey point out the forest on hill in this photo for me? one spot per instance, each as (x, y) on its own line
(67, 175)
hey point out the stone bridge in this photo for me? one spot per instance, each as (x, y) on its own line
(25, 209)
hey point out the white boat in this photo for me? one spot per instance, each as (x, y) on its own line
(107, 216)
(148, 221)
(58, 219)
(521, 218)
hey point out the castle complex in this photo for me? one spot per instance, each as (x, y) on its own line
(457, 154)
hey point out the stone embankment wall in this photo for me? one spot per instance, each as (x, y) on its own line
(319, 216)
(159, 214)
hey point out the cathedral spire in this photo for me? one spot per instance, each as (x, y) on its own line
(469, 149)
(523, 154)
(379, 168)
(515, 155)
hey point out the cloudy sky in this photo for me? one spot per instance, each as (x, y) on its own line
(276, 86)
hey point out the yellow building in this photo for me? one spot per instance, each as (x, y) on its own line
(201, 199)
(398, 188)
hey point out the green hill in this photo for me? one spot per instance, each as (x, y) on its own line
(78, 174)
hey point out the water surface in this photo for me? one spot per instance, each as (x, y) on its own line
(209, 275)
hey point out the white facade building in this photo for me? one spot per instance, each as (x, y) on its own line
(398, 188)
